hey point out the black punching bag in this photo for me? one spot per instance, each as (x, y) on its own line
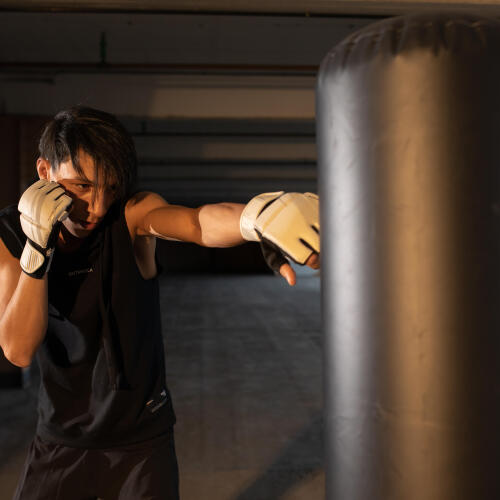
(408, 127)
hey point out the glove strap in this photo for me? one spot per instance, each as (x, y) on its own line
(252, 210)
(34, 261)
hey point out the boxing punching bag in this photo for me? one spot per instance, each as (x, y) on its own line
(408, 130)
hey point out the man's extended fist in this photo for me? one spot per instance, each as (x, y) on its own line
(43, 206)
(289, 221)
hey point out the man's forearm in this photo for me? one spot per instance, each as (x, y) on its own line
(220, 224)
(24, 321)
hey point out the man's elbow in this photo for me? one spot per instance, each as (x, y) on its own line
(20, 359)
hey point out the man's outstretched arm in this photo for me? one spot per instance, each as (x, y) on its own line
(215, 225)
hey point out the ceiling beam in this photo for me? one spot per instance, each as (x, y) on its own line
(253, 7)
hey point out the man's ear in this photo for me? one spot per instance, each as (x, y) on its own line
(43, 168)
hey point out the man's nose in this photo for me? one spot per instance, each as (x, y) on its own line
(99, 206)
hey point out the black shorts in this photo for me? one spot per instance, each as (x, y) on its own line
(145, 470)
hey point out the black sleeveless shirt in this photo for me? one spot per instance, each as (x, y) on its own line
(102, 359)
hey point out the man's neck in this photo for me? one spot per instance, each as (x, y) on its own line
(67, 242)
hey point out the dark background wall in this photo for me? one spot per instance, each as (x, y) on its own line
(220, 105)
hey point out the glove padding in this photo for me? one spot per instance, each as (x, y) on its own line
(290, 222)
(43, 206)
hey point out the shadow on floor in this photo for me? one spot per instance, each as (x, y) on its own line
(282, 476)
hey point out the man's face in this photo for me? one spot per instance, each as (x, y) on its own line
(90, 201)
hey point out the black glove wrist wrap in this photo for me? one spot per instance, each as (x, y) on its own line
(48, 253)
(273, 256)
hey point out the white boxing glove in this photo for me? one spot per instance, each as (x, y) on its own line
(289, 221)
(43, 206)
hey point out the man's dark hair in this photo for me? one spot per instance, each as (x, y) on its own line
(101, 136)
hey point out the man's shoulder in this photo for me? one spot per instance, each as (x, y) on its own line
(9, 212)
(11, 232)
(143, 200)
(139, 205)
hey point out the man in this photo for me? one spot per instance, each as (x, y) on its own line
(79, 289)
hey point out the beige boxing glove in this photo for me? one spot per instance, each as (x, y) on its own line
(43, 206)
(289, 221)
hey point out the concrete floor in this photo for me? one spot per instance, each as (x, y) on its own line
(244, 365)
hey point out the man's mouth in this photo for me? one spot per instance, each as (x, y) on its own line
(87, 224)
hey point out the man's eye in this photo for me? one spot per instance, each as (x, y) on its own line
(83, 186)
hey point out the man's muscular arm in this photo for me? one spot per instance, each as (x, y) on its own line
(217, 225)
(23, 310)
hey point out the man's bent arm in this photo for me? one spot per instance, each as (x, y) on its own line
(23, 310)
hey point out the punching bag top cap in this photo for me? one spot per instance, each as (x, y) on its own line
(450, 31)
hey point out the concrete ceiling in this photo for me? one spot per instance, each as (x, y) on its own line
(280, 7)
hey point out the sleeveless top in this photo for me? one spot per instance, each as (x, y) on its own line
(102, 359)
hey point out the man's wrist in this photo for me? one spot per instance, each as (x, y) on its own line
(252, 210)
(35, 261)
